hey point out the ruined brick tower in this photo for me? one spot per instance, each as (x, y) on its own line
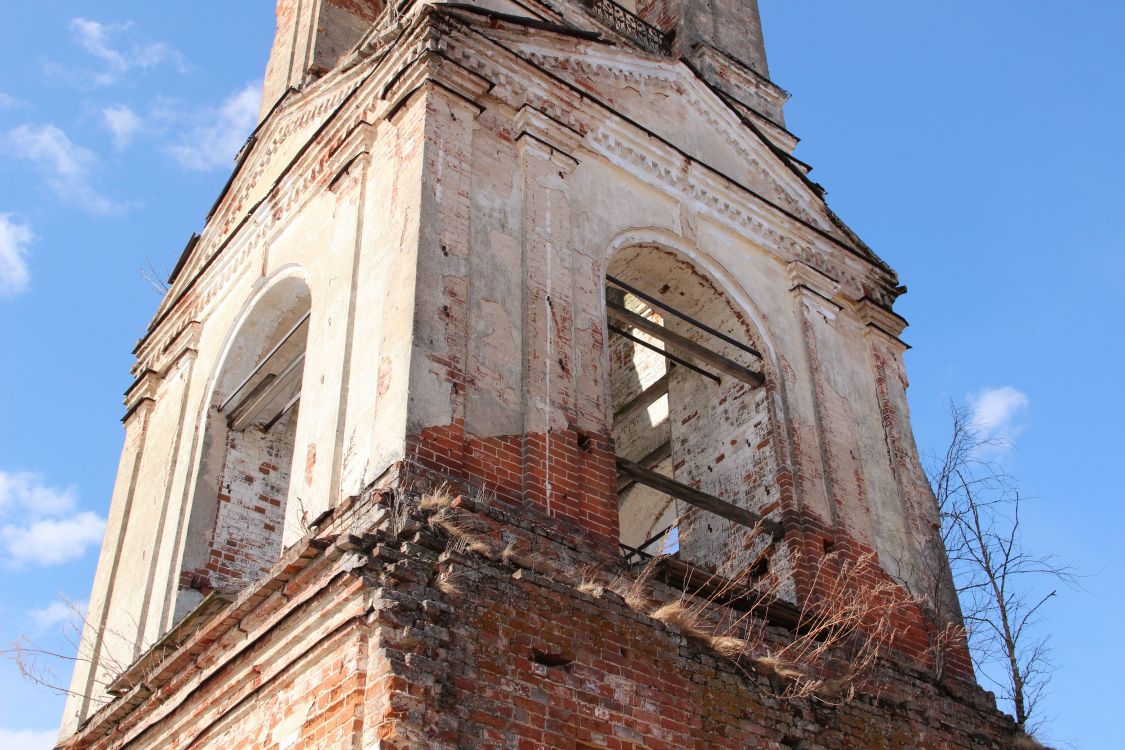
(509, 303)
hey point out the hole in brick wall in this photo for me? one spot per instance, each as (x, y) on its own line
(585, 443)
(829, 546)
(760, 567)
(550, 659)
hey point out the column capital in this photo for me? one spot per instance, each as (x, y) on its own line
(878, 318)
(551, 139)
(808, 281)
(433, 70)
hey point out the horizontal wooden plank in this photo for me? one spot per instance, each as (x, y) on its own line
(644, 399)
(683, 316)
(695, 497)
(683, 345)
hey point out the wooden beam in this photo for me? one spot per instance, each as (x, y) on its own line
(683, 316)
(664, 353)
(662, 451)
(695, 497)
(266, 360)
(684, 345)
(644, 399)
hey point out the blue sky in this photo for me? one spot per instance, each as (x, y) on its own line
(976, 146)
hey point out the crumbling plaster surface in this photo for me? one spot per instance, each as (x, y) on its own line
(455, 243)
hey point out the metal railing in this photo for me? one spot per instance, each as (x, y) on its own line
(631, 26)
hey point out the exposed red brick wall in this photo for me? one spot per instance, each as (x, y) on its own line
(357, 644)
(569, 476)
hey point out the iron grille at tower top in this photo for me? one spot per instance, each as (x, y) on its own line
(631, 26)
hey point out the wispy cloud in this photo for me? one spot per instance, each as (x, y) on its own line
(66, 167)
(43, 526)
(60, 612)
(220, 132)
(999, 415)
(7, 101)
(15, 239)
(122, 123)
(28, 739)
(120, 51)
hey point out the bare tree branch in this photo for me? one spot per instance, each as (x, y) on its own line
(994, 573)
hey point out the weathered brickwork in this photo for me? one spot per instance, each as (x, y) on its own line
(501, 301)
(246, 539)
(395, 640)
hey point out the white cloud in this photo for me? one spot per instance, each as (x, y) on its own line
(220, 133)
(42, 525)
(28, 492)
(66, 166)
(998, 414)
(15, 239)
(122, 123)
(59, 612)
(52, 541)
(7, 101)
(119, 55)
(28, 739)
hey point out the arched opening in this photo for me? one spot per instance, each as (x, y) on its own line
(692, 427)
(237, 519)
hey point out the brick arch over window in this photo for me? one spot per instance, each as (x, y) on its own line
(236, 527)
(693, 424)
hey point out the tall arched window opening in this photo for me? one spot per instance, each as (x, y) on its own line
(692, 426)
(237, 520)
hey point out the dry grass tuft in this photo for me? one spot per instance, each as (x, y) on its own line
(729, 646)
(447, 584)
(481, 546)
(588, 580)
(632, 591)
(771, 665)
(593, 588)
(437, 499)
(689, 620)
(1023, 741)
(519, 557)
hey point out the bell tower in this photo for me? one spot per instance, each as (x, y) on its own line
(516, 328)
(312, 37)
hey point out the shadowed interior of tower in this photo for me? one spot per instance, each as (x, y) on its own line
(242, 489)
(690, 416)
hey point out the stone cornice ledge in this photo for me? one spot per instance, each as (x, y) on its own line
(806, 279)
(745, 86)
(558, 142)
(876, 316)
(433, 67)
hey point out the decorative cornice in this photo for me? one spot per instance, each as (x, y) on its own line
(465, 63)
(808, 280)
(877, 317)
(554, 139)
(741, 83)
(515, 88)
(657, 76)
(432, 67)
(142, 393)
